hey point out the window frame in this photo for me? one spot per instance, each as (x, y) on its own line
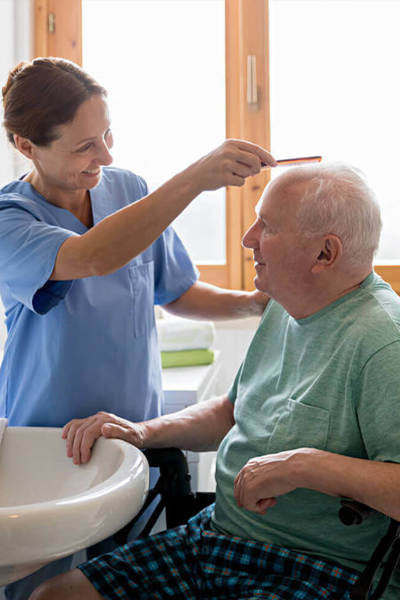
(246, 34)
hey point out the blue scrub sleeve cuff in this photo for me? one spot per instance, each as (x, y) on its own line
(48, 296)
(178, 291)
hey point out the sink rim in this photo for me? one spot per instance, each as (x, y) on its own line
(111, 483)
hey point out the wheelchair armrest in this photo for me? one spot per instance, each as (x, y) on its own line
(173, 488)
(354, 513)
(173, 469)
(386, 555)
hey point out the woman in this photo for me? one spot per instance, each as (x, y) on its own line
(85, 252)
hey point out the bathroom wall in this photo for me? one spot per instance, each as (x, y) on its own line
(16, 44)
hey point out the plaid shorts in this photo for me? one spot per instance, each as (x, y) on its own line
(192, 562)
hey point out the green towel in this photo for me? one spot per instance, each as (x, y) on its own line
(187, 358)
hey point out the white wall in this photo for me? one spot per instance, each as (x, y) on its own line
(6, 61)
(16, 44)
(233, 339)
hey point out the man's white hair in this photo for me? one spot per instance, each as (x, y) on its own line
(339, 201)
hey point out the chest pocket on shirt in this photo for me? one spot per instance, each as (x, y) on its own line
(142, 278)
(300, 426)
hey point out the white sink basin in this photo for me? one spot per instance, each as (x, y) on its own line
(50, 508)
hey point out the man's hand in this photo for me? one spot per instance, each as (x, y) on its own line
(81, 434)
(263, 479)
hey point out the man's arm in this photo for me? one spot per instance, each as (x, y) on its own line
(199, 428)
(263, 479)
(205, 301)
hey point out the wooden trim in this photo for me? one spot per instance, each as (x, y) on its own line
(391, 274)
(255, 123)
(66, 40)
(246, 34)
(234, 225)
(40, 28)
(215, 274)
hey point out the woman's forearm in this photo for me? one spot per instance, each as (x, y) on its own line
(113, 242)
(205, 301)
(117, 239)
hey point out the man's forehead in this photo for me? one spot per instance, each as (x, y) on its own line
(282, 194)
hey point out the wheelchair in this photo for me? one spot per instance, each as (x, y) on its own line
(180, 503)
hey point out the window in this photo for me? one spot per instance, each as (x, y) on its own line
(332, 65)
(166, 94)
(334, 93)
(243, 25)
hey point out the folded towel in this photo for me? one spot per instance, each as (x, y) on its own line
(175, 334)
(3, 425)
(187, 358)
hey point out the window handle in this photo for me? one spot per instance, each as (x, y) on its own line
(252, 98)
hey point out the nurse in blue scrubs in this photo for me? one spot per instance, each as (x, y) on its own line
(86, 252)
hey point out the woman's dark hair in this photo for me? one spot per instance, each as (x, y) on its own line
(43, 94)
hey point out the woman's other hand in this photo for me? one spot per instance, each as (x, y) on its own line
(256, 303)
(230, 164)
(81, 434)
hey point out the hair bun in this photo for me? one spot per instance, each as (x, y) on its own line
(12, 76)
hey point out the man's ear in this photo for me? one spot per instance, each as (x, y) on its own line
(25, 146)
(331, 251)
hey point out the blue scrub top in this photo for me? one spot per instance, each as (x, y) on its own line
(77, 347)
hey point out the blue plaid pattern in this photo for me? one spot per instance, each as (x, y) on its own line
(192, 562)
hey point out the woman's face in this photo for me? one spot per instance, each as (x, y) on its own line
(74, 160)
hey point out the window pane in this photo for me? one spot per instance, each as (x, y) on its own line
(163, 64)
(335, 91)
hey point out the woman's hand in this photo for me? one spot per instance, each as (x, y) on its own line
(81, 434)
(230, 164)
(257, 301)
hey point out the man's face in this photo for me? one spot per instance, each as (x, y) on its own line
(283, 258)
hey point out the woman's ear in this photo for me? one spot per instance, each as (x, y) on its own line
(331, 251)
(24, 146)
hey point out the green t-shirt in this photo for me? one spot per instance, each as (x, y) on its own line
(329, 381)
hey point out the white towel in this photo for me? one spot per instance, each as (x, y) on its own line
(175, 334)
(3, 425)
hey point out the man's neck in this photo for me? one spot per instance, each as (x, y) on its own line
(307, 304)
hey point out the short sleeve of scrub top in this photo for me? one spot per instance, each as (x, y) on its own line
(75, 348)
(28, 249)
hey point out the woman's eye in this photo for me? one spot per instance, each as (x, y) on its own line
(87, 147)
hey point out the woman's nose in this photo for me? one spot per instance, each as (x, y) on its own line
(106, 156)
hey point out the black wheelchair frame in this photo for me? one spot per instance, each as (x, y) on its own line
(180, 504)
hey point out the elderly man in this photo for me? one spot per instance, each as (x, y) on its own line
(313, 415)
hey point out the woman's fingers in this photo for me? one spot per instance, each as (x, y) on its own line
(249, 148)
(230, 164)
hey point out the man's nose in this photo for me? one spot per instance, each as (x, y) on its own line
(250, 239)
